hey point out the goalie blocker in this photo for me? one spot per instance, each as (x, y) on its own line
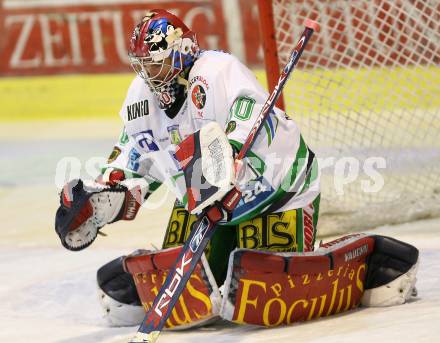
(271, 289)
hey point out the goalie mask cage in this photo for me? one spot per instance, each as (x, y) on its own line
(367, 99)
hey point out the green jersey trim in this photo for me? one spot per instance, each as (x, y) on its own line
(296, 172)
(256, 162)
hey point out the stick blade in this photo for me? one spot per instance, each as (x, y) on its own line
(311, 24)
(145, 337)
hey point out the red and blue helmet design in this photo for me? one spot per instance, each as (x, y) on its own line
(161, 47)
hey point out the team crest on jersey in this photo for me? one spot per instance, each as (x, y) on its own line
(243, 107)
(198, 96)
(174, 133)
(146, 141)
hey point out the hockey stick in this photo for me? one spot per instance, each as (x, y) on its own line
(205, 226)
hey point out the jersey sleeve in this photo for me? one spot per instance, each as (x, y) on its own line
(246, 98)
(126, 157)
(239, 100)
(224, 90)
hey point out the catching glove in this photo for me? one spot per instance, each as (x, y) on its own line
(86, 208)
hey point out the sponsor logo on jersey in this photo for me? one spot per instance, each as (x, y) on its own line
(145, 139)
(200, 79)
(137, 110)
(270, 232)
(198, 96)
(133, 160)
(114, 155)
(179, 226)
(174, 133)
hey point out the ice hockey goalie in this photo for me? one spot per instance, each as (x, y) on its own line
(186, 115)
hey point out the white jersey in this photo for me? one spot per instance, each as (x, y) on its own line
(221, 89)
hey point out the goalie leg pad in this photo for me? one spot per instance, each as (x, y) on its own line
(271, 289)
(199, 303)
(118, 296)
(391, 274)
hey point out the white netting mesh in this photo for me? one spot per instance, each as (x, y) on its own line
(367, 92)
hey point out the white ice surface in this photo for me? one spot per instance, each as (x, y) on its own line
(47, 294)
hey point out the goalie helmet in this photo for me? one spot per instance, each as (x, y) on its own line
(161, 47)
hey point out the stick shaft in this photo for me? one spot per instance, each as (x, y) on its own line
(270, 102)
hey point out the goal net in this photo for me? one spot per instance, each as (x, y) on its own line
(366, 96)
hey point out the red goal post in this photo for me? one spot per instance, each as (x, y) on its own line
(374, 120)
(268, 35)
